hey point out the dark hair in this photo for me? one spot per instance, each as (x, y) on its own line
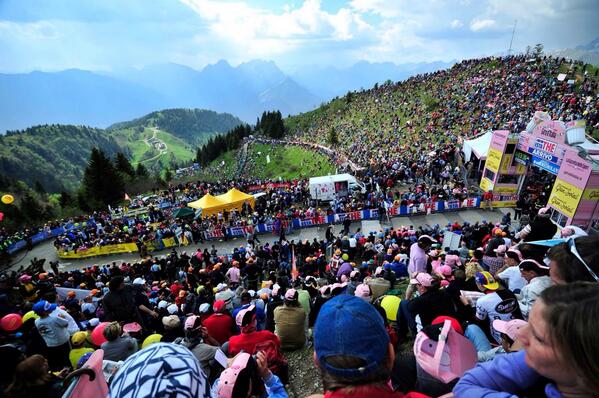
(29, 373)
(115, 283)
(568, 267)
(242, 383)
(333, 382)
(529, 265)
(572, 316)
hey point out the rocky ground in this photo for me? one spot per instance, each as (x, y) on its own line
(304, 378)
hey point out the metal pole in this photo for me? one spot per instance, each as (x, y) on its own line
(509, 51)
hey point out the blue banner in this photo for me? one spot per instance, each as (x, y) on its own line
(545, 165)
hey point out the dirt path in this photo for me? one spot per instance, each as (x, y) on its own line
(161, 152)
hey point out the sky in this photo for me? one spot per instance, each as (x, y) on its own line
(108, 35)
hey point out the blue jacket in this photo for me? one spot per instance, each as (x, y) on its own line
(506, 376)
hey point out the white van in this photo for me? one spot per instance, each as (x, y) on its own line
(324, 188)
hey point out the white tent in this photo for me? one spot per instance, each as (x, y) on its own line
(479, 146)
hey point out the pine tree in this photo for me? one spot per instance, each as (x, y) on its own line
(102, 185)
(123, 165)
(333, 139)
(141, 171)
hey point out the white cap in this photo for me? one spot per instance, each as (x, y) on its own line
(204, 308)
(172, 309)
(221, 287)
(162, 304)
(139, 281)
(94, 322)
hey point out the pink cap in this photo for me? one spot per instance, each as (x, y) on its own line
(452, 259)
(354, 273)
(511, 328)
(422, 278)
(501, 249)
(190, 322)
(229, 376)
(449, 357)
(445, 270)
(291, 295)
(275, 289)
(363, 291)
(325, 290)
(241, 314)
(132, 327)
(378, 271)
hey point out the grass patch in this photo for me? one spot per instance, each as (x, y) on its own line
(286, 162)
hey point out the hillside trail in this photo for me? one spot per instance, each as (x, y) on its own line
(161, 152)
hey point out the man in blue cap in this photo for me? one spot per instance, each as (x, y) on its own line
(352, 349)
(55, 332)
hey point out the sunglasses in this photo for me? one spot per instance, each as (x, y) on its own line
(574, 251)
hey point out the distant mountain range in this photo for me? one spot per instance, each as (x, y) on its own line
(588, 53)
(100, 99)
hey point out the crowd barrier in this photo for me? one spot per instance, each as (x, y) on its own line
(322, 219)
(156, 245)
(45, 235)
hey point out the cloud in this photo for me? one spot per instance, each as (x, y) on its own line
(481, 24)
(456, 24)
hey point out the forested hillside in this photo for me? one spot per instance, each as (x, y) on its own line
(52, 155)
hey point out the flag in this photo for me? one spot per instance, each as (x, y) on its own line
(127, 197)
(294, 272)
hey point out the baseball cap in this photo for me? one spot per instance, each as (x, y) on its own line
(78, 338)
(171, 321)
(349, 326)
(378, 271)
(485, 279)
(175, 372)
(291, 295)
(139, 281)
(43, 306)
(172, 309)
(275, 289)
(132, 327)
(501, 249)
(219, 306)
(192, 322)
(241, 320)
(511, 328)
(204, 308)
(94, 322)
(363, 291)
(162, 304)
(445, 270)
(452, 260)
(229, 376)
(354, 274)
(426, 239)
(422, 278)
(71, 294)
(221, 287)
(515, 254)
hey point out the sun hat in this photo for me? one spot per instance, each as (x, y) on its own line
(132, 327)
(160, 370)
(486, 280)
(229, 376)
(349, 326)
(43, 306)
(511, 328)
(444, 353)
(423, 279)
(363, 291)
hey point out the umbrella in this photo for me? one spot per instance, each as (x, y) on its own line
(183, 212)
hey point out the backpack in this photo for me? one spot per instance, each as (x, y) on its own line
(277, 363)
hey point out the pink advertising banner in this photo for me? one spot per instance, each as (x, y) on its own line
(552, 130)
(499, 139)
(574, 169)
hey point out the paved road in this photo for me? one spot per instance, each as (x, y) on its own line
(46, 249)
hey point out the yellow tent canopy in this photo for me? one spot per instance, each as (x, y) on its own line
(209, 204)
(234, 196)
